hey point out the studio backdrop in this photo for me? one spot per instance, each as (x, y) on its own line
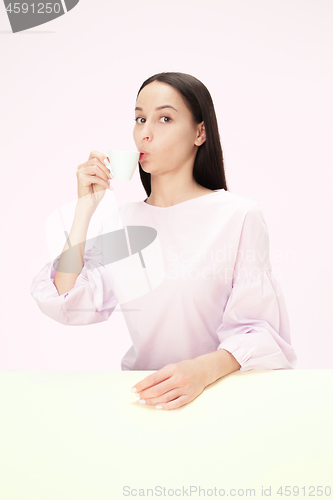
(69, 80)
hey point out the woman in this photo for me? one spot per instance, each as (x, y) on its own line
(219, 308)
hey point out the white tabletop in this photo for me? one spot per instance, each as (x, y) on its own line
(84, 435)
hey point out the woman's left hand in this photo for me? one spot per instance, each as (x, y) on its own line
(174, 385)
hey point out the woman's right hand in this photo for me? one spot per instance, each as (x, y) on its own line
(93, 178)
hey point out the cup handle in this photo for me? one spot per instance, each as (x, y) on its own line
(108, 157)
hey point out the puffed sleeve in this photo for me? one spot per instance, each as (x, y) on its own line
(91, 300)
(255, 327)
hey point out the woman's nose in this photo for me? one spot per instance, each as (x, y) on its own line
(146, 132)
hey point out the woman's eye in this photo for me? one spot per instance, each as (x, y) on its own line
(165, 119)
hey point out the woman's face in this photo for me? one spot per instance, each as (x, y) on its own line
(164, 129)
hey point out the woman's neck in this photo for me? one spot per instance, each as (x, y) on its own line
(173, 198)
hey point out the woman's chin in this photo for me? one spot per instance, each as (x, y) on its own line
(145, 166)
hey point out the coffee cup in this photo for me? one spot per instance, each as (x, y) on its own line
(123, 164)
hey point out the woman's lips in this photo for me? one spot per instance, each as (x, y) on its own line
(143, 156)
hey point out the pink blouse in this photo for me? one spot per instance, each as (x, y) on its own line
(190, 279)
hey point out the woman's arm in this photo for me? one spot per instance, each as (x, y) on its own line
(254, 331)
(71, 258)
(180, 383)
(90, 298)
(217, 364)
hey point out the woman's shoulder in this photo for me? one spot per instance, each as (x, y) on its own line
(234, 204)
(238, 200)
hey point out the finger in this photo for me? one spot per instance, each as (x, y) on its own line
(99, 158)
(95, 166)
(92, 174)
(154, 378)
(176, 403)
(97, 154)
(163, 398)
(94, 179)
(159, 389)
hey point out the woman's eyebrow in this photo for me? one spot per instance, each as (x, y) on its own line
(159, 107)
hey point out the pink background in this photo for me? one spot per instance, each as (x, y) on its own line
(69, 86)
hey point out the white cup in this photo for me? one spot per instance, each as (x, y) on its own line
(123, 164)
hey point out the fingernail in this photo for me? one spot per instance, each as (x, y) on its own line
(106, 161)
(134, 389)
(159, 407)
(142, 401)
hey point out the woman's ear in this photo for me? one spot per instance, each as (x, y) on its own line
(201, 134)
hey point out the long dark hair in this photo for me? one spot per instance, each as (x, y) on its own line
(208, 169)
